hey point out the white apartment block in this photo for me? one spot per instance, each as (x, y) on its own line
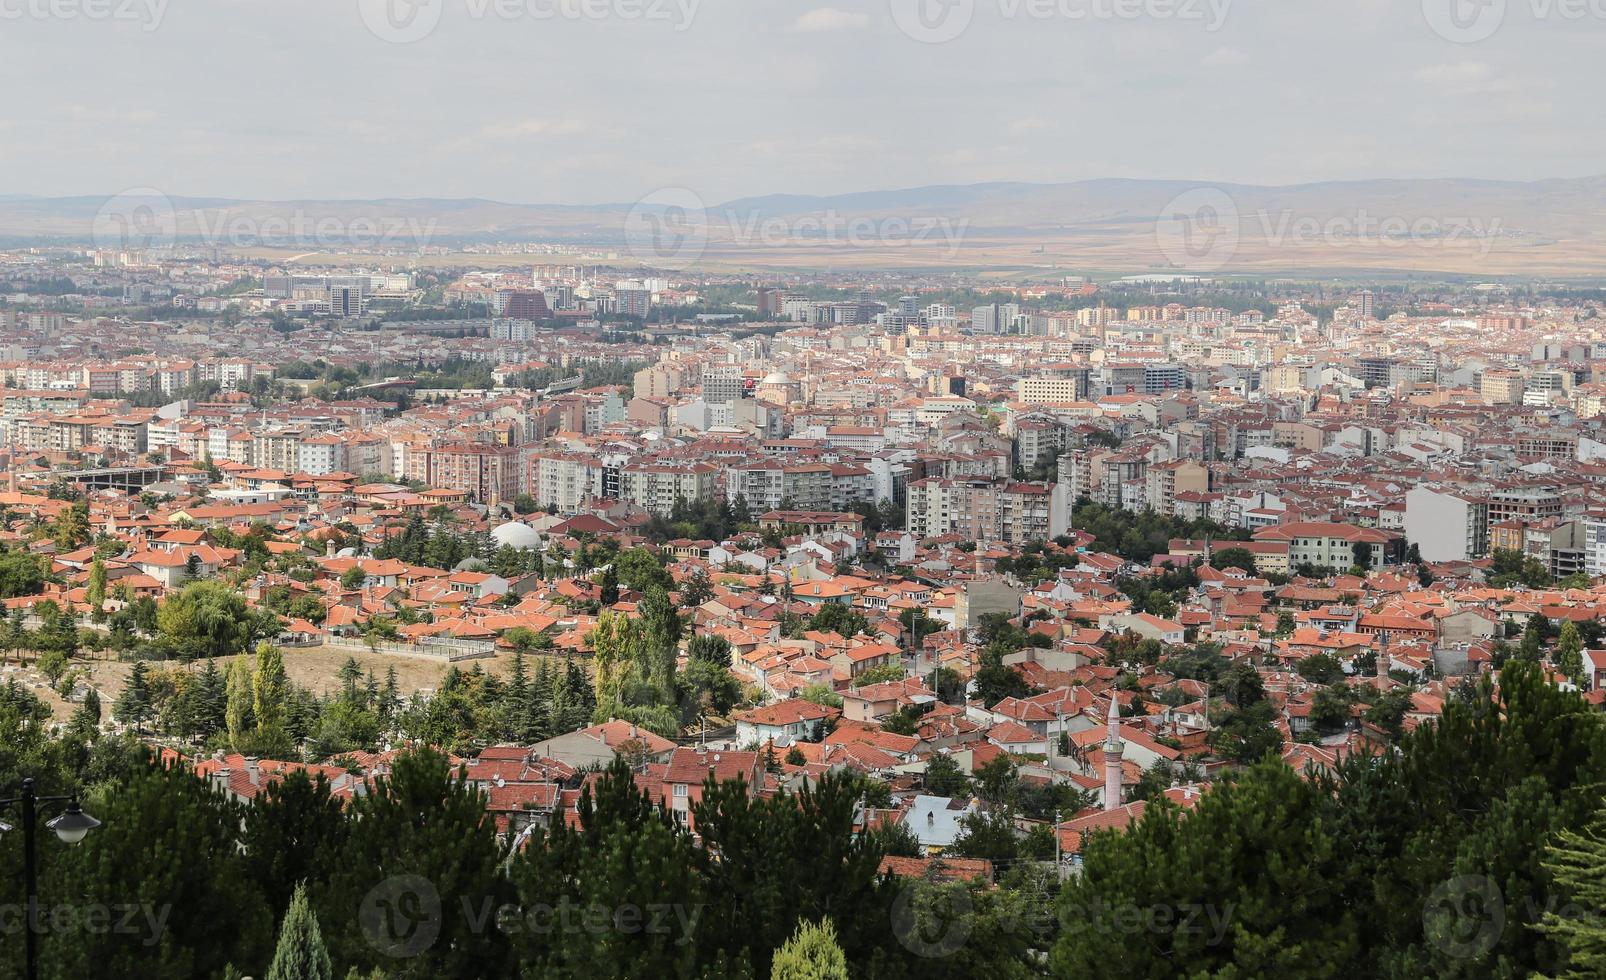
(1446, 525)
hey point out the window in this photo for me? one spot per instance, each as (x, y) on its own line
(680, 790)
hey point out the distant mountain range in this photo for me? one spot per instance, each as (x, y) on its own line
(1550, 228)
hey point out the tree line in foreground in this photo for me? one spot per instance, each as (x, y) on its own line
(1474, 849)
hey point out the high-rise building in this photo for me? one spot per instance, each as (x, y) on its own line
(345, 301)
(516, 330)
(770, 301)
(487, 473)
(1502, 387)
(1446, 525)
(633, 302)
(722, 383)
(525, 304)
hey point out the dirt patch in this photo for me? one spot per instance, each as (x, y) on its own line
(314, 668)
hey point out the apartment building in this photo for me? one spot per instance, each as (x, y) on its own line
(984, 509)
(1332, 545)
(1041, 391)
(1037, 438)
(1446, 524)
(1526, 506)
(321, 455)
(766, 484)
(564, 480)
(655, 487)
(487, 473)
(1502, 387)
(278, 450)
(1163, 481)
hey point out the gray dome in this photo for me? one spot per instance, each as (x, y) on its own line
(470, 565)
(516, 535)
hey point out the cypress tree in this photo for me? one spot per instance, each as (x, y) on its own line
(300, 954)
(811, 954)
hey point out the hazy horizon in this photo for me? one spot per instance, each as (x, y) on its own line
(181, 194)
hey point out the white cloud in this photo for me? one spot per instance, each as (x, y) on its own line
(1461, 73)
(513, 129)
(1467, 78)
(823, 19)
(1224, 58)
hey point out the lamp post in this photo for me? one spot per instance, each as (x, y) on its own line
(72, 825)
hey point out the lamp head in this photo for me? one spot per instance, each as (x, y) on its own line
(73, 825)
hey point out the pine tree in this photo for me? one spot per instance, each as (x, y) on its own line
(294, 830)
(608, 584)
(1577, 859)
(540, 708)
(573, 701)
(134, 704)
(423, 827)
(514, 709)
(347, 675)
(756, 893)
(85, 721)
(811, 954)
(585, 695)
(181, 717)
(625, 854)
(211, 700)
(154, 813)
(390, 697)
(300, 954)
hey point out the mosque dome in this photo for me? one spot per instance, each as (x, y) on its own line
(516, 535)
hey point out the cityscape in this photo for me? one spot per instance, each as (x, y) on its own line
(1033, 571)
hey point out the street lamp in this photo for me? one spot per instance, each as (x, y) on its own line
(72, 825)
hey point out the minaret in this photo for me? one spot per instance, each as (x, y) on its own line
(1114, 748)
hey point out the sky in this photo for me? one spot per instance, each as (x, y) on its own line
(607, 101)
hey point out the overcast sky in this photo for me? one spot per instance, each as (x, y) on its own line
(290, 99)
